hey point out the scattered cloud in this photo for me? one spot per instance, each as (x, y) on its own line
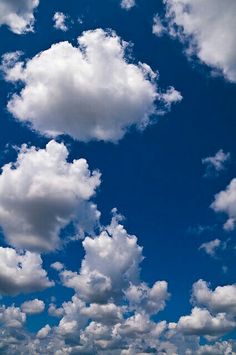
(215, 164)
(18, 15)
(212, 247)
(41, 193)
(158, 28)
(90, 92)
(60, 21)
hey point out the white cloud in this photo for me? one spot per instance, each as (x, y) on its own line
(158, 28)
(33, 306)
(90, 92)
(43, 332)
(222, 299)
(18, 15)
(111, 262)
(209, 30)
(42, 193)
(57, 266)
(12, 317)
(216, 163)
(225, 201)
(21, 273)
(60, 21)
(201, 322)
(211, 247)
(127, 4)
(151, 300)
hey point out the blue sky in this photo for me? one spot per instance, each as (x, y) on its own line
(164, 147)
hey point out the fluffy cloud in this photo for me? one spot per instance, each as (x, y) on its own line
(146, 299)
(43, 332)
(201, 322)
(216, 163)
(225, 201)
(90, 92)
(208, 29)
(127, 4)
(111, 262)
(41, 193)
(18, 15)
(157, 28)
(60, 21)
(12, 317)
(33, 307)
(222, 299)
(21, 273)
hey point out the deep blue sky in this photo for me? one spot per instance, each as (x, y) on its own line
(154, 178)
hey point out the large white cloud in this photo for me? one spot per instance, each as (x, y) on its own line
(209, 30)
(89, 92)
(18, 15)
(21, 273)
(225, 201)
(42, 193)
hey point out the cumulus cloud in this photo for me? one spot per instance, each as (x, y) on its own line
(18, 15)
(225, 201)
(201, 322)
(90, 92)
(208, 30)
(111, 262)
(216, 164)
(60, 21)
(127, 4)
(222, 299)
(12, 317)
(41, 193)
(33, 307)
(43, 332)
(21, 273)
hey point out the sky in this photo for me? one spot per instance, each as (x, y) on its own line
(117, 177)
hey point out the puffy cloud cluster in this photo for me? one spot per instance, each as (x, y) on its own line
(21, 273)
(225, 201)
(208, 29)
(18, 15)
(90, 92)
(41, 193)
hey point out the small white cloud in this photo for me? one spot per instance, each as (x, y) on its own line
(21, 273)
(33, 307)
(225, 201)
(211, 247)
(216, 163)
(18, 15)
(11, 317)
(43, 332)
(60, 21)
(57, 266)
(157, 28)
(127, 4)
